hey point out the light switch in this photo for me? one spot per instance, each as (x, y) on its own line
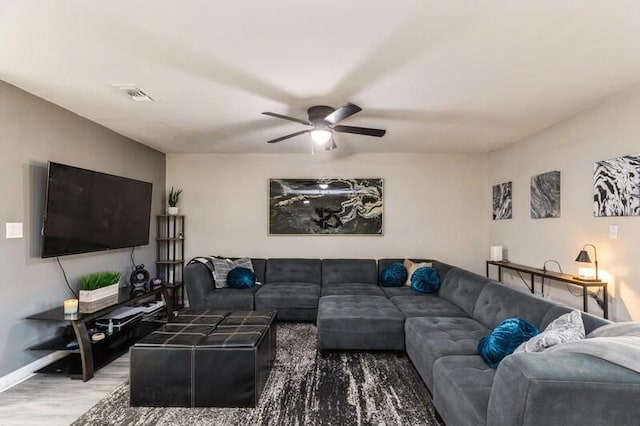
(613, 232)
(14, 230)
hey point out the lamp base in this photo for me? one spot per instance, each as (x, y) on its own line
(588, 280)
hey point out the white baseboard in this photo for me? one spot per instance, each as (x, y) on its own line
(27, 371)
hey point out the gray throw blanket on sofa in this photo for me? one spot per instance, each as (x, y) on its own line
(621, 350)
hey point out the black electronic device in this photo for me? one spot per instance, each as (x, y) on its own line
(87, 211)
(139, 280)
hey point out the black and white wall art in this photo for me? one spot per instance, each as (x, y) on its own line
(502, 202)
(545, 195)
(325, 206)
(616, 186)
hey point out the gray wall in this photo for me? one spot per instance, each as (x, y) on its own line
(433, 205)
(608, 130)
(32, 132)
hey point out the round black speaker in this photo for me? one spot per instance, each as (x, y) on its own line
(139, 279)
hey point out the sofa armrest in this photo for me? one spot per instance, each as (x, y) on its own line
(198, 283)
(563, 389)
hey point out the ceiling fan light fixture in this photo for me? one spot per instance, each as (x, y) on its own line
(321, 136)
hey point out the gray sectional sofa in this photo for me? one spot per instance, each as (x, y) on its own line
(440, 334)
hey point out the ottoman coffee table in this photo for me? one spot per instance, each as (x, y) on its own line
(359, 323)
(204, 359)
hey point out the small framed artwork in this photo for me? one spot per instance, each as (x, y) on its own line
(545, 195)
(332, 206)
(502, 203)
(616, 186)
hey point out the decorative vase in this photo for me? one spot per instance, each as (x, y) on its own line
(172, 211)
(94, 300)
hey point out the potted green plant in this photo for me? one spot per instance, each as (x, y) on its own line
(172, 200)
(98, 290)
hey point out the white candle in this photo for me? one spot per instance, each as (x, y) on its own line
(70, 306)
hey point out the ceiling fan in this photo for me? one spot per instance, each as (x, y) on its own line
(324, 121)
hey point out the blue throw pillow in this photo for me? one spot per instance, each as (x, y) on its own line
(241, 278)
(425, 280)
(394, 275)
(504, 339)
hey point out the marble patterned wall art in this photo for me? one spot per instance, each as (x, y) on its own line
(325, 206)
(545, 195)
(502, 202)
(616, 186)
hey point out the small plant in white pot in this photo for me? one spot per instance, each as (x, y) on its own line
(98, 290)
(172, 200)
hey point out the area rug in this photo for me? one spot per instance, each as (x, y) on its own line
(304, 388)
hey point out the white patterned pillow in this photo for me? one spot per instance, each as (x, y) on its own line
(222, 267)
(565, 328)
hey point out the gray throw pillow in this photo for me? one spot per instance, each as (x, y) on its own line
(617, 329)
(566, 328)
(222, 267)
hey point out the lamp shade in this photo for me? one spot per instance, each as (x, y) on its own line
(583, 256)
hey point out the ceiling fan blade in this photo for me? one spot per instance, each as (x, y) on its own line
(343, 112)
(288, 136)
(360, 131)
(286, 117)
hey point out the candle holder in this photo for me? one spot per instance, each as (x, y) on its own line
(71, 309)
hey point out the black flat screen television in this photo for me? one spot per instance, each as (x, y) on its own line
(87, 211)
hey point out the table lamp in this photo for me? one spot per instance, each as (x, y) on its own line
(586, 274)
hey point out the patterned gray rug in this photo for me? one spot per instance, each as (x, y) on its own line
(304, 388)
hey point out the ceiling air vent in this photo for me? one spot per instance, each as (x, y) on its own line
(135, 93)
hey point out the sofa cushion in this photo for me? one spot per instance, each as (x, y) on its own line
(241, 278)
(349, 271)
(591, 322)
(293, 270)
(565, 328)
(343, 289)
(498, 302)
(359, 322)
(460, 287)
(462, 389)
(394, 275)
(425, 280)
(412, 267)
(231, 299)
(428, 339)
(504, 339)
(403, 291)
(428, 306)
(274, 296)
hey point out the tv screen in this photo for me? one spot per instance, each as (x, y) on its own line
(88, 211)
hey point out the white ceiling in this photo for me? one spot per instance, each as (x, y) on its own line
(440, 76)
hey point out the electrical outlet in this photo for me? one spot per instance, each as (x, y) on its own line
(613, 232)
(14, 230)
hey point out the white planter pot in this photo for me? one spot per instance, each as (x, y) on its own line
(94, 300)
(172, 211)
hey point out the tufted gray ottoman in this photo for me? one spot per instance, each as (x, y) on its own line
(359, 322)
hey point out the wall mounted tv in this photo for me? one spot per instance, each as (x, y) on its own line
(87, 211)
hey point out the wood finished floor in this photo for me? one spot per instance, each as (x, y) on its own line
(53, 400)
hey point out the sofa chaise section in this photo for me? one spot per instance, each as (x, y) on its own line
(292, 288)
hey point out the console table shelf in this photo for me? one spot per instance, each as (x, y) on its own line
(88, 355)
(556, 276)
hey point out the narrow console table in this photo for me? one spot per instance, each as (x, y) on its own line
(93, 354)
(556, 276)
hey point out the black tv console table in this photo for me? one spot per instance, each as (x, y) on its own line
(93, 355)
(556, 276)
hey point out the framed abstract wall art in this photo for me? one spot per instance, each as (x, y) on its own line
(502, 202)
(616, 186)
(331, 206)
(545, 195)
